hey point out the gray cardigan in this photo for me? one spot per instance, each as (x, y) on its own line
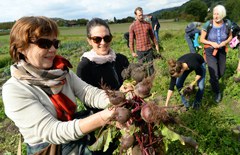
(34, 114)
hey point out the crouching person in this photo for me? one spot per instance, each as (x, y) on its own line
(179, 71)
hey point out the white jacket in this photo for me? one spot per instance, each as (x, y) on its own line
(34, 114)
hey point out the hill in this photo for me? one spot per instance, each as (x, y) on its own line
(175, 12)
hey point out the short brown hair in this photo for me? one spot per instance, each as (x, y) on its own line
(138, 9)
(28, 29)
(174, 66)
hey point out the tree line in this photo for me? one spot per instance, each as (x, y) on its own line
(193, 10)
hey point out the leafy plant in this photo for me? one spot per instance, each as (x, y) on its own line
(212, 123)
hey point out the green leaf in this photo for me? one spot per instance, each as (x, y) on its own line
(108, 140)
(100, 142)
(170, 135)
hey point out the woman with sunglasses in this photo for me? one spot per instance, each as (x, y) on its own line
(101, 65)
(180, 69)
(40, 97)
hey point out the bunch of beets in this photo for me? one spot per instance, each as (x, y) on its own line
(141, 120)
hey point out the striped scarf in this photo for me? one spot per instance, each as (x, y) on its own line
(51, 81)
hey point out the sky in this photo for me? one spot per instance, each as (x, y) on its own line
(12, 10)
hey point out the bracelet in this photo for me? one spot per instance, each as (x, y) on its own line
(105, 120)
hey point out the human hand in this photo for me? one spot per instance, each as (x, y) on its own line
(166, 103)
(215, 45)
(222, 44)
(192, 84)
(134, 54)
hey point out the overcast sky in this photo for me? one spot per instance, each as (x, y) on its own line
(11, 10)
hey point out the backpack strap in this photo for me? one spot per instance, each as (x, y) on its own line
(209, 27)
(227, 22)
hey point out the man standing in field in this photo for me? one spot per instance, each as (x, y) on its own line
(141, 32)
(155, 25)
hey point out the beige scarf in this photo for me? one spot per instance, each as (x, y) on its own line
(51, 81)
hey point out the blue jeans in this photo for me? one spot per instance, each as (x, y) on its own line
(201, 84)
(155, 32)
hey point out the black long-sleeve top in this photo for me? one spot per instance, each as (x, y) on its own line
(108, 73)
(194, 62)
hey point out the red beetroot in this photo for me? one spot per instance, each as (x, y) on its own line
(127, 141)
(152, 113)
(122, 115)
(136, 150)
(148, 112)
(138, 74)
(115, 97)
(143, 88)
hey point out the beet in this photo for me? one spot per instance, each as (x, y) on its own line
(188, 91)
(143, 88)
(127, 141)
(138, 74)
(115, 97)
(136, 150)
(148, 113)
(152, 113)
(121, 115)
(126, 73)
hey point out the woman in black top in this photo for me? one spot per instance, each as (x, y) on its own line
(180, 69)
(101, 65)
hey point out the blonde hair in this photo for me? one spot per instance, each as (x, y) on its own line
(28, 29)
(221, 11)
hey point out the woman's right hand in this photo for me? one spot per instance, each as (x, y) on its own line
(169, 94)
(215, 45)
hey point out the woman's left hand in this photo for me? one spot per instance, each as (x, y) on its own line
(222, 44)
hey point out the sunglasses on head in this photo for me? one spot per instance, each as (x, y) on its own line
(96, 39)
(46, 43)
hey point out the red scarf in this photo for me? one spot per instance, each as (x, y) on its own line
(64, 106)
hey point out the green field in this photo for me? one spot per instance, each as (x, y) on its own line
(213, 123)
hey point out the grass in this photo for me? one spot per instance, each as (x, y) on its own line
(213, 123)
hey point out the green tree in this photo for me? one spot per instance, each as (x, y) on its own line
(232, 7)
(197, 8)
(82, 21)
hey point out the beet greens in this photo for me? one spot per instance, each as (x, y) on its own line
(144, 124)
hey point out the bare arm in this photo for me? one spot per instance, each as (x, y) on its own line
(95, 121)
(155, 27)
(195, 81)
(157, 47)
(169, 94)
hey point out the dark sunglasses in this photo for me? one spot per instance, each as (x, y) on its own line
(97, 39)
(46, 43)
